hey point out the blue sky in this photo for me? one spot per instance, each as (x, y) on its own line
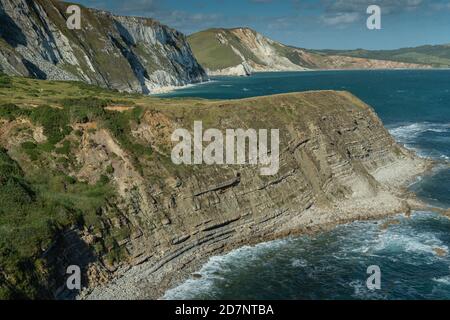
(315, 24)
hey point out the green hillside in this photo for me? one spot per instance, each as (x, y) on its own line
(213, 54)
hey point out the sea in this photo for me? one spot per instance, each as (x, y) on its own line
(412, 255)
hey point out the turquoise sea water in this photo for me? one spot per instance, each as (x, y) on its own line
(415, 107)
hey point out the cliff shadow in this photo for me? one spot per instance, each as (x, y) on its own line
(33, 70)
(10, 31)
(69, 249)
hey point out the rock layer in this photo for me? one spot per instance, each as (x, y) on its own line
(338, 164)
(160, 221)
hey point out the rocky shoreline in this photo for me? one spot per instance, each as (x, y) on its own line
(147, 282)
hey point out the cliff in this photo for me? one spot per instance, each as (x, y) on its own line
(241, 51)
(124, 53)
(86, 178)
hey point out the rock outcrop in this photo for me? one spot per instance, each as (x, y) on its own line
(124, 53)
(155, 221)
(338, 164)
(245, 47)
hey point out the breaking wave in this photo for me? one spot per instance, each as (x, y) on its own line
(408, 132)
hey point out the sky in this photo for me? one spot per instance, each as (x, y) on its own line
(313, 24)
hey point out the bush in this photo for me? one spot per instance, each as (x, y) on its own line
(65, 149)
(31, 149)
(55, 122)
(11, 111)
(5, 81)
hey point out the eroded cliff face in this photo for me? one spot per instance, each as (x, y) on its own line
(125, 53)
(337, 164)
(244, 51)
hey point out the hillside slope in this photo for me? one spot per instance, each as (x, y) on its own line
(86, 179)
(242, 51)
(125, 53)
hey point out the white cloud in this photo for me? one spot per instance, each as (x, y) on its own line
(340, 18)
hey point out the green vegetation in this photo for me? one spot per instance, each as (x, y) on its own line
(5, 81)
(38, 203)
(211, 53)
(32, 213)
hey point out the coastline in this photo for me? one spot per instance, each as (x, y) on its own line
(146, 282)
(168, 89)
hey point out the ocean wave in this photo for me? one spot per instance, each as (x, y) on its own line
(360, 291)
(443, 280)
(215, 273)
(425, 243)
(412, 137)
(408, 132)
(299, 263)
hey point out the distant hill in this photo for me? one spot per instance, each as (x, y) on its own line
(241, 51)
(437, 55)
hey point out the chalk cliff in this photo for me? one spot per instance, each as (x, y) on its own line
(124, 53)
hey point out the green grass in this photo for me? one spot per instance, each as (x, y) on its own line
(214, 55)
(5, 81)
(211, 53)
(36, 205)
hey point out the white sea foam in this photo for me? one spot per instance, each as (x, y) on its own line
(409, 242)
(213, 273)
(408, 132)
(360, 291)
(443, 280)
(299, 263)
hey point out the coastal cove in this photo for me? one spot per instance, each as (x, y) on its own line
(423, 128)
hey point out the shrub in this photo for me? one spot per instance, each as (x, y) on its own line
(65, 149)
(54, 121)
(11, 111)
(5, 81)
